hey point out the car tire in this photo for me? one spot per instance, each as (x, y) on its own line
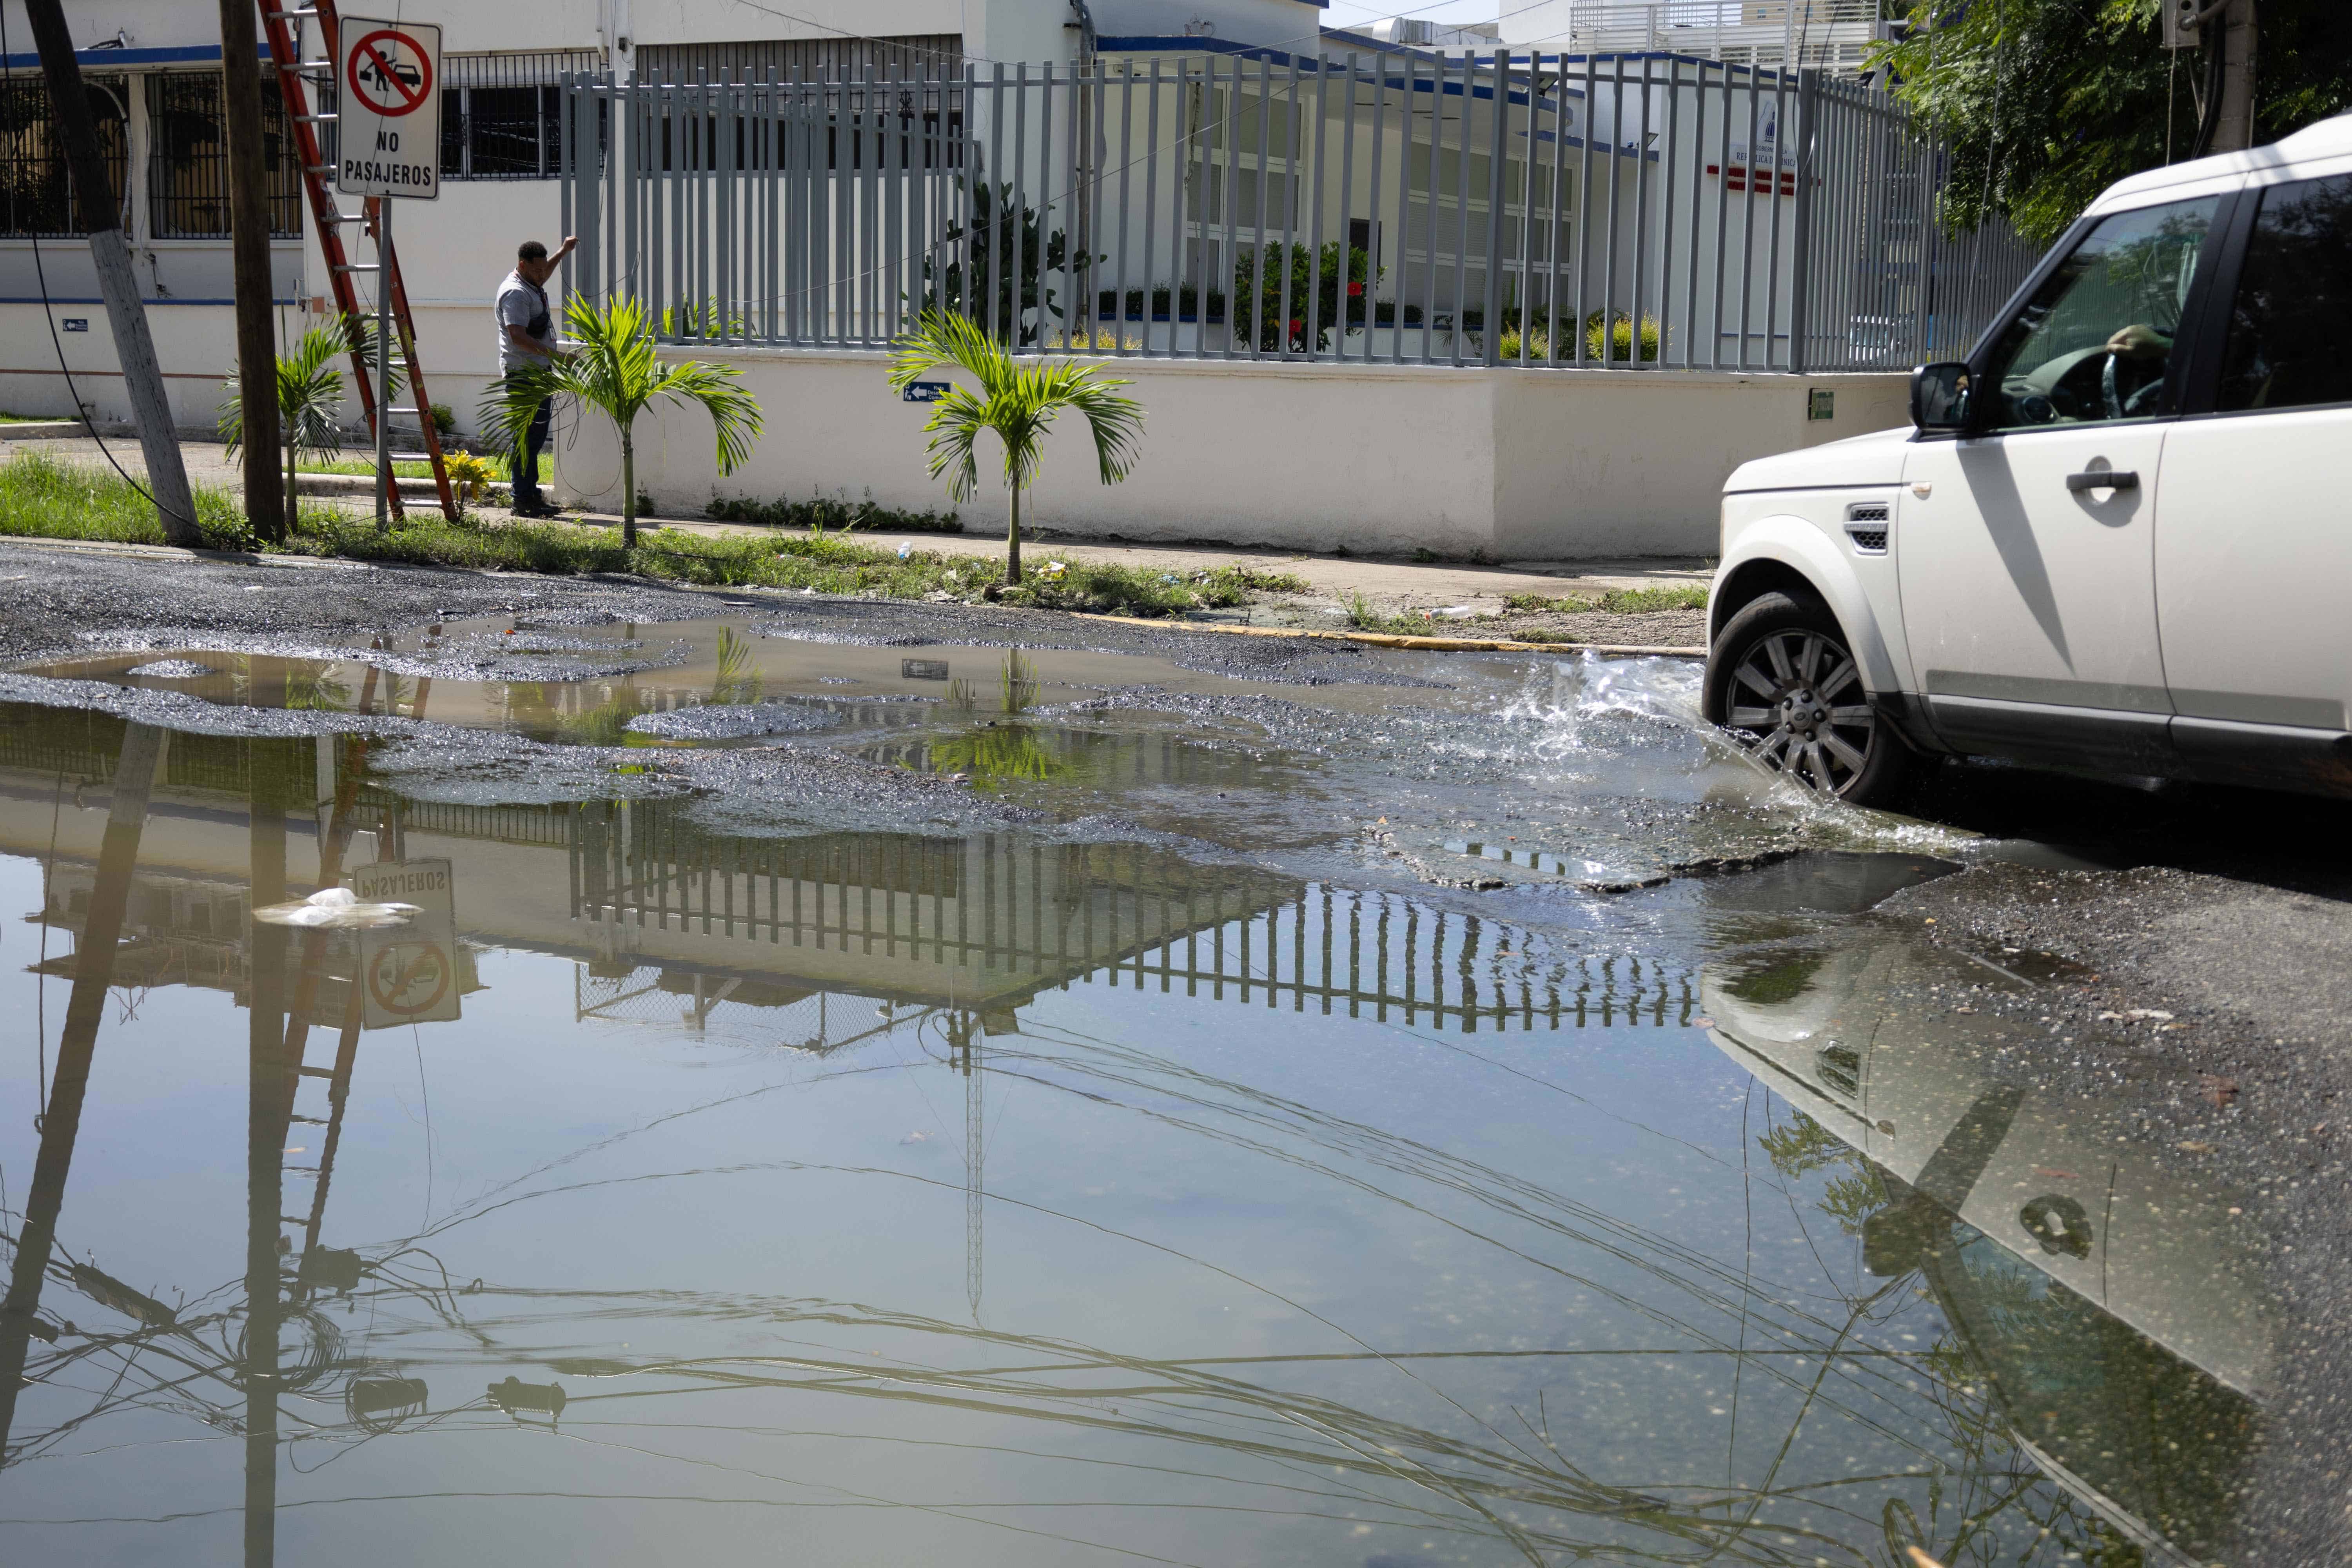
(1783, 681)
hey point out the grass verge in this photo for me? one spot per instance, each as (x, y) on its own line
(1616, 602)
(42, 497)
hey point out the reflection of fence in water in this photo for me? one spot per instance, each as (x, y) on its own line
(1386, 957)
(1114, 914)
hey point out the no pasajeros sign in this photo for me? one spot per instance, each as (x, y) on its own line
(388, 110)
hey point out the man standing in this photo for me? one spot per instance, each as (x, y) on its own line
(526, 338)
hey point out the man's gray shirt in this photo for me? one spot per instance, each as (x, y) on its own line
(520, 304)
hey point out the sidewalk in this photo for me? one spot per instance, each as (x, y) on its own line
(1388, 587)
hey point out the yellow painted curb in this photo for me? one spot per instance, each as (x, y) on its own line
(1425, 645)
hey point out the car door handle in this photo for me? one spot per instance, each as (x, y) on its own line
(2103, 479)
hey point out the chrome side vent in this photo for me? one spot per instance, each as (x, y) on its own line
(1865, 524)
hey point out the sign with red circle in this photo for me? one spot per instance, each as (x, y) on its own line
(388, 111)
(389, 72)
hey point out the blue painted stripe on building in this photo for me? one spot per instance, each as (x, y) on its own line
(101, 304)
(181, 55)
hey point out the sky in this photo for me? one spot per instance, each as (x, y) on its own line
(1355, 13)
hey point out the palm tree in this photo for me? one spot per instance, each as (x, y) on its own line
(1017, 402)
(616, 369)
(309, 397)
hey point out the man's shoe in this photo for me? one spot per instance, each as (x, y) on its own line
(532, 508)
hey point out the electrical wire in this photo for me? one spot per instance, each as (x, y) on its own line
(49, 314)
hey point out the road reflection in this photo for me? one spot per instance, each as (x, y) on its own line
(1571, 1369)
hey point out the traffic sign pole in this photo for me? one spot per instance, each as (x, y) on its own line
(383, 479)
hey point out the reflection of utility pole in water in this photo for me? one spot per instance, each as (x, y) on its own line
(269, 1106)
(134, 778)
(963, 1043)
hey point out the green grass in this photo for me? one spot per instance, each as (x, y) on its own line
(364, 466)
(41, 496)
(1616, 602)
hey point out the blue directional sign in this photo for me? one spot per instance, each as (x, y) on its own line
(926, 391)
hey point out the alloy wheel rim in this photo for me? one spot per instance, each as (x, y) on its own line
(1798, 705)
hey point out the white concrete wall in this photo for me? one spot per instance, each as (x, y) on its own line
(1513, 464)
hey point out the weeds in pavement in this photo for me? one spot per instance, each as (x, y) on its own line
(822, 514)
(1616, 602)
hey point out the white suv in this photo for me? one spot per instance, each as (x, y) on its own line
(2120, 534)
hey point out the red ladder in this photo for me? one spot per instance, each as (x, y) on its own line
(283, 28)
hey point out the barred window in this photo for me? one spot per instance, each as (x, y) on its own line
(499, 114)
(34, 185)
(187, 166)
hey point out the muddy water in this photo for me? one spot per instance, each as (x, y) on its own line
(1245, 1134)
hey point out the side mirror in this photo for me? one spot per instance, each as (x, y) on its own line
(1940, 395)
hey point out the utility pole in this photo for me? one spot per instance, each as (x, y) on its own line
(142, 377)
(2234, 121)
(248, 223)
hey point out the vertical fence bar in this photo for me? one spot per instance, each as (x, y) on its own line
(1429, 207)
(1524, 289)
(1264, 178)
(1672, 158)
(1126, 164)
(1497, 161)
(1014, 223)
(1616, 204)
(1779, 141)
(1150, 216)
(771, 134)
(1584, 203)
(1559, 126)
(1376, 233)
(1461, 214)
(1045, 193)
(1748, 214)
(627, 152)
(1228, 269)
(564, 161)
(1190, 201)
(867, 259)
(1315, 322)
(1641, 230)
(1293, 124)
(1722, 223)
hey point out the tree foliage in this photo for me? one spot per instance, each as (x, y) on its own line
(2044, 103)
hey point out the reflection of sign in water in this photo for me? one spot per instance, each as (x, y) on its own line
(407, 980)
(408, 973)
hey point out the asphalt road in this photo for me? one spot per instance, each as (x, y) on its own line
(2207, 933)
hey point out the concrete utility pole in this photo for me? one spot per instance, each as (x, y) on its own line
(249, 224)
(142, 377)
(2234, 121)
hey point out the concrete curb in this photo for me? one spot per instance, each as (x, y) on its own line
(1372, 639)
(1418, 644)
(46, 430)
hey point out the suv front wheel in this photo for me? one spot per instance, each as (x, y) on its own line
(1783, 681)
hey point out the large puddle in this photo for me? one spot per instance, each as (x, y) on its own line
(1272, 1124)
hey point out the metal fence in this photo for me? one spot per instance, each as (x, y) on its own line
(1635, 212)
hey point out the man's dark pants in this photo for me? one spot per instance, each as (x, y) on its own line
(524, 466)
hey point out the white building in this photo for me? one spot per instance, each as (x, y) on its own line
(153, 67)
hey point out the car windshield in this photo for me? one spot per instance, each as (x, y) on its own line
(2094, 342)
